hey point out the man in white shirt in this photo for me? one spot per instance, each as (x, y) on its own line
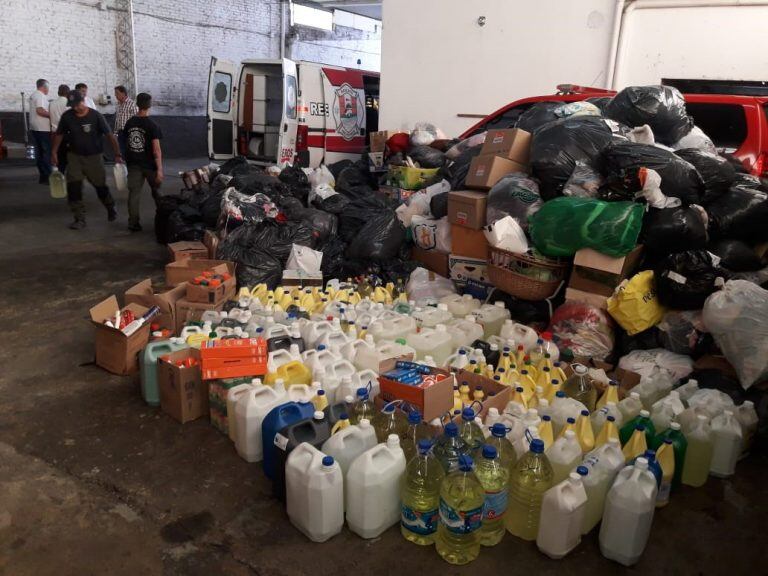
(56, 109)
(40, 127)
(82, 87)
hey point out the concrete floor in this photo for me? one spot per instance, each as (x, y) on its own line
(92, 481)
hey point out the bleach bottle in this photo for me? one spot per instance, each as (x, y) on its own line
(562, 515)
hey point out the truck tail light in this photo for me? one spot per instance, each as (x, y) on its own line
(761, 165)
(302, 138)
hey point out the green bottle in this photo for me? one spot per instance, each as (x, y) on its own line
(679, 444)
(504, 448)
(420, 496)
(470, 432)
(643, 419)
(531, 477)
(461, 515)
(494, 478)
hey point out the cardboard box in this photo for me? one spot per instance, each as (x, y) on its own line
(375, 161)
(468, 242)
(513, 144)
(378, 140)
(187, 311)
(496, 395)
(212, 294)
(467, 208)
(183, 394)
(411, 178)
(485, 171)
(233, 358)
(144, 294)
(461, 269)
(185, 270)
(301, 278)
(116, 352)
(432, 402)
(182, 250)
(211, 242)
(596, 300)
(597, 273)
(432, 260)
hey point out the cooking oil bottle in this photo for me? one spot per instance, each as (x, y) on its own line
(531, 477)
(388, 421)
(580, 387)
(420, 496)
(494, 478)
(461, 515)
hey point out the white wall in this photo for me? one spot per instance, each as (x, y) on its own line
(437, 62)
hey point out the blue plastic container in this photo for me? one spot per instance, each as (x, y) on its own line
(278, 418)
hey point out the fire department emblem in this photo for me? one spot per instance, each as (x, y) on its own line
(348, 112)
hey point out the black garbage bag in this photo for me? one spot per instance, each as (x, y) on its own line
(426, 156)
(736, 256)
(221, 182)
(259, 267)
(661, 107)
(335, 204)
(323, 225)
(670, 230)
(515, 195)
(238, 208)
(210, 208)
(622, 160)
(438, 205)
(353, 182)
(741, 214)
(685, 279)
(358, 212)
(337, 167)
(645, 340)
(601, 102)
(744, 180)
(247, 242)
(380, 238)
(537, 115)
(166, 205)
(458, 170)
(334, 260)
(716, 172)
(259, 183)
(236, 165)
(296, 182)
(186, 223)
(557, 146)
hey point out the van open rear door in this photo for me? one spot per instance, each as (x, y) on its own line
(345, 109)
(221, 110)
(290, 119)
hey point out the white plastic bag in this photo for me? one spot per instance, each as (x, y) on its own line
(657, 363)
(695, 139)
(426, 287)
(642, 135)
(651, 182)
(424, 134)
(120, 172)
(507, 235)
(304, 259)
(431, 234)
(320, 176)
(737, 318)
(581, 108)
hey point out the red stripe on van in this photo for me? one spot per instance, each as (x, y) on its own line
(316, 140)
(338, 77)
(338, 144)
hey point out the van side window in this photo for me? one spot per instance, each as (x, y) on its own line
(290, 97)
(725, 124)
(222, 88)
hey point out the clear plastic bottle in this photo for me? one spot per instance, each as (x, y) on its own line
(461, 514)
(363, 407)
(494, 478)
(470, 432)
(531, 478)
(449, 447)
(420, 496)
(698, 455)
(58, 184)
(388, 421)
(416, 431)
(504, 448)
(580, 387)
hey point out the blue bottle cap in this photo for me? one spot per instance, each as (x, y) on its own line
(321, 392)
(489, 452)
(537, 446)
(640, 427)
(467, 414)
(546, 417)
(560, 394)
(424, 445)
(519, 389)
(343, 416)
(502, 370)
(585, 412)
(451, 430)
(611, 418)
(466, 463)
(650, 454)
(582, 470)
(320, 347)
(499, 430)
(328, 461)
(571, 420)
(389, 408)
(473, 361)
(462, 351)
(414, 417)
(539, 341)
(361, 392)
(497, 378)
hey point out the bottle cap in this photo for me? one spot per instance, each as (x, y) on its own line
(467, 414)
(570, 434)
(451, 430)
(582, 470)
(640, 428)
(466, 463)
(320, 392)
(393, 441)
(328, 461)
(462, 351)
(580, 369)
(571, 420)
(611, 418)
(424, 445)
(318, 415)
(545, 369)
(645, 413)
(388, 408)
(585, 412)
(674, 425)
(497, 378)
(498, 430)
(546, 417)
(641, 463)
(320, 347)
(414, 417)
(537, 446)
(667, 440)
(364, 422)
(650, 454)
(362, 392)
(489, 452)
(539, 341)
(560, 394)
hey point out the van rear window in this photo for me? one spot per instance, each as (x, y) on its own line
(725, 124)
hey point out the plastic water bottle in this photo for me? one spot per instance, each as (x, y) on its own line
(531, 478)
(449, 447)
(494, 478)
(562, 515)
(57, 183)
(420, 496)
(461, 515)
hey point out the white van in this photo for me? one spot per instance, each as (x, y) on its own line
(286, 112)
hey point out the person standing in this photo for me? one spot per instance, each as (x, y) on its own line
(85, 128)
(40, 126)
(125, 110)
(56, 109)
(82, 87)
(144, 158)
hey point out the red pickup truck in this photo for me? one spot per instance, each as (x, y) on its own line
(737, 125)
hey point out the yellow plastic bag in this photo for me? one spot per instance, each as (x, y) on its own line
(634, 304)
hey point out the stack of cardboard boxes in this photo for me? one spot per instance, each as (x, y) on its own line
(595, 276)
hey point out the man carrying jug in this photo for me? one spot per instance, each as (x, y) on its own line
(84, 129)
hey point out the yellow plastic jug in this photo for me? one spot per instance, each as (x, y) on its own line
(546, 433)
(610, 394)
(545, 378)
(584, 432)
(554, 388)
(557, 372)
(636, 445)
(528, 383)
(665, 456)
(608, 431)
(196, 340)
(293, 372)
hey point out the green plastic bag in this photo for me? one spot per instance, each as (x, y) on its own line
(566, 224)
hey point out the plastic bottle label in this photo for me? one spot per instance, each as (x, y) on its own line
(418, 522)
(460, 521)
(495, 504)
(281, 441)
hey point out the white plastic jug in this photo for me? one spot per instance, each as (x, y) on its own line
(340, 368)
(599, 417)
(628, 514)
(727, 439)
(460, 305)
(368, 359)
(464, 331)
(564, 455)
(662, 415)
(314, 493)
(233, 395)
(603, 463)
(562, 516)
(280, 357)
(333, 340)
(250, 411)
(630, 406)
(348, 443)
(687, 390)
(373, 489)
(314, 330)
(520, 334)
(430, 317)
(276, 330)
(491, 317)
(360, 379)
(435, 342)
(392, 329)
(319, 358)
(300, 393)
(349, 350)
(120, 172)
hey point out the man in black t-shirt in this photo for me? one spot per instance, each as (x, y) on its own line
(143, 156)
(84, 129)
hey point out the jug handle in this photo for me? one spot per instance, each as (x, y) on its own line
(473, 403)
